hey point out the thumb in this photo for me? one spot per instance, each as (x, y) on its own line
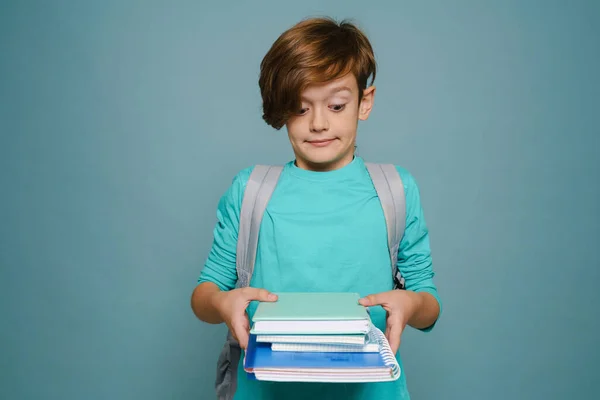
(259, 294)
(372, 300)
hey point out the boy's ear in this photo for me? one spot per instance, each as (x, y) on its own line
(366, 103)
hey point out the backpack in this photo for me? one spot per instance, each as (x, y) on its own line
(260, 187)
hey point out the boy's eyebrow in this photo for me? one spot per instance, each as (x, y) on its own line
(340, 89)
(334, 91)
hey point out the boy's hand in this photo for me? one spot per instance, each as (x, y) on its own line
(232, 308)
(399, 305)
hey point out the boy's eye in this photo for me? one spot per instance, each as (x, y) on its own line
(302, 111)
(338, 107)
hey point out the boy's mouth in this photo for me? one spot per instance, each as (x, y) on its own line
(320, 142)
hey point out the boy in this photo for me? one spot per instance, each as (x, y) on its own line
(323, 229)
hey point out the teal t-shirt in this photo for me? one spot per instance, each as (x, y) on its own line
(323, 232)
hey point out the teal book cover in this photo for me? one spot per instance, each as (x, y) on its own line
(312, 307)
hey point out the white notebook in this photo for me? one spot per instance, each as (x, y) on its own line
(356, 340)
(311, 344)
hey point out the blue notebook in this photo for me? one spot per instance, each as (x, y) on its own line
(262, 363)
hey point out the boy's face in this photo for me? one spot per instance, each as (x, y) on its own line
(323, 132)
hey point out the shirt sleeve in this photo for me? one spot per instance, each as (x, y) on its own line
(219, 267)
(414, 253)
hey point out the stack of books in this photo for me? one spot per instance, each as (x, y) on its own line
(317, 337)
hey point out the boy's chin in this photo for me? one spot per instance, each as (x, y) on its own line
(324, 163)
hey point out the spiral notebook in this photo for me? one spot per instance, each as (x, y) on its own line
(262, 363)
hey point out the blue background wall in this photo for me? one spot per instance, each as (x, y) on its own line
(122, 122)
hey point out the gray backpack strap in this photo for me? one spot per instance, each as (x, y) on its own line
(390, 190)
(259, 189)
(257, 194)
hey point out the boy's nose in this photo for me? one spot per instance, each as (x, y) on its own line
(319, 123)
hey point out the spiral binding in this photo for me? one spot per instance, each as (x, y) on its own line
(386, 351)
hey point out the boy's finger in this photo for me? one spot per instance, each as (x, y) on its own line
(394, 338)
(259, 294)
(241, 335)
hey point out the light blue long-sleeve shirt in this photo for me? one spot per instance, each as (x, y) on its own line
(323, 231)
